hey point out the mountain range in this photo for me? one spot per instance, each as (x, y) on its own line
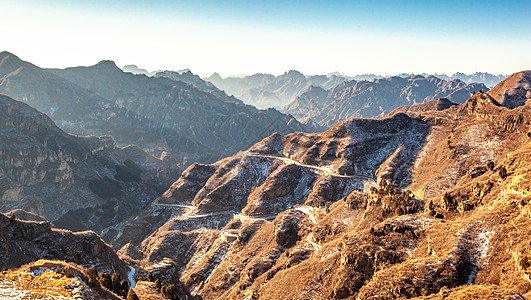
(182, 122)
(428, 202)
(76, 182)
(265, 90)
(364, 99)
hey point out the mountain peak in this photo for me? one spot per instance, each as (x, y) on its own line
(5, 53)
(8, 55)
(514, 91)
(294, 74)
(107, 64)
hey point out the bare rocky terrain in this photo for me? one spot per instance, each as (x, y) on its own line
(76, 182)
(428, 202)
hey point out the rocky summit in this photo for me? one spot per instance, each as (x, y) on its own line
(429, 202)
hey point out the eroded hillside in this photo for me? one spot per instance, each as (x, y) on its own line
(76, 182)
(429, 202)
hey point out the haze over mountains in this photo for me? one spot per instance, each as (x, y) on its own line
(364, 99)
(160, 115)
(265, 90)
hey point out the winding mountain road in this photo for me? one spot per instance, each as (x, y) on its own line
(327, 170)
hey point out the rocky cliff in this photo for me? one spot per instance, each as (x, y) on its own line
(429, 202)
(364, 99)
(76, 182)
(26, 241)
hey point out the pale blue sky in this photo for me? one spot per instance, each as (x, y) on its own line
(244, 37)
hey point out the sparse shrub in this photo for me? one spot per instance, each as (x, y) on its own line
(131, 295)
(490, 165)
(117, 286)
(105, 280)
(448, 202)
(124, 288)
(92, 275)
(170, 291)
(503, 172)
(150, 277)
(158, 284)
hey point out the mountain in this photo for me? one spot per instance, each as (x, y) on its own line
(136, 71)
(514, 91)
(431, 202)
(363, 99)
(487, 79)
(26, 241)
(76, 182)
(265, 90)
(191, 79)
(167, 118)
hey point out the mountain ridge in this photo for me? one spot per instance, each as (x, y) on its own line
(440, 204)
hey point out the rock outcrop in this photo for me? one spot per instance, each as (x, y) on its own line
(23, 242)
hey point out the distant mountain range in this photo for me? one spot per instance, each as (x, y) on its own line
(364, 99)
(265, 90)
(184, 121)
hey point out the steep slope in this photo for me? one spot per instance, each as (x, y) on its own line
(374, 99)
(190, 78)
(428, 204)
(195, 124)
(513, 91)
(76, 182)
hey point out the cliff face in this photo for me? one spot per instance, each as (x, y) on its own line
(427, 202)
(76, 182)
(364, 99)
(25, 241)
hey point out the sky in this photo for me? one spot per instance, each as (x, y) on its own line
(234, 37)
